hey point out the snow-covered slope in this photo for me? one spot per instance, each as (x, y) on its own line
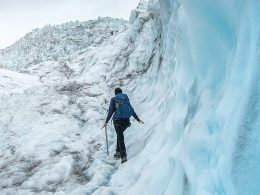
(51, 140)
(191, 69)
(53, 43)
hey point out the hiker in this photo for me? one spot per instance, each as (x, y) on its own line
(122, 110)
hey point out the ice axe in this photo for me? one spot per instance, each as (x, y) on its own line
(106, 141)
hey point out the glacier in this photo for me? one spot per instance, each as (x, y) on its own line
(191, 70)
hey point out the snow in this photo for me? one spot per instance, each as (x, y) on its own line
(52, 43)
(191, 70)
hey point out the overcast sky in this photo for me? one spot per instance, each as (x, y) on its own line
(18, 17)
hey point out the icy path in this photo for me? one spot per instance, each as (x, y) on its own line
(51, 152)
(51, 139)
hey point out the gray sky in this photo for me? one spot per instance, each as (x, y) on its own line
(18, 17)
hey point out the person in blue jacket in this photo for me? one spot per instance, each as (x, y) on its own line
(121, 110)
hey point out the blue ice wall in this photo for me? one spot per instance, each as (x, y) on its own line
(211, 51)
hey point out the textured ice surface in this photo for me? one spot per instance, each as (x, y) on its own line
(191, 69)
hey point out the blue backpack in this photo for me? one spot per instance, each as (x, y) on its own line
(124, 109)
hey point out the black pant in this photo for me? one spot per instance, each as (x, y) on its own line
(120, 127)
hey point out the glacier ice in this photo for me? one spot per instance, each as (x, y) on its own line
(191, 69)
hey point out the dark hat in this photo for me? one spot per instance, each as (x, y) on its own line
(118, 90)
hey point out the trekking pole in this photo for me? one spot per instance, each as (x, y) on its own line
(106, 141)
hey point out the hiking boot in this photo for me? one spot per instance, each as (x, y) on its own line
(117, 155)
(124, 159)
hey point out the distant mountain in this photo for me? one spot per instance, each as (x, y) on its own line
(52, 43)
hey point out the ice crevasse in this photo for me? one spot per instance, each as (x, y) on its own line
(203, 97)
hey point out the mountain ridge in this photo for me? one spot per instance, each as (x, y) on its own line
(54, 42)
